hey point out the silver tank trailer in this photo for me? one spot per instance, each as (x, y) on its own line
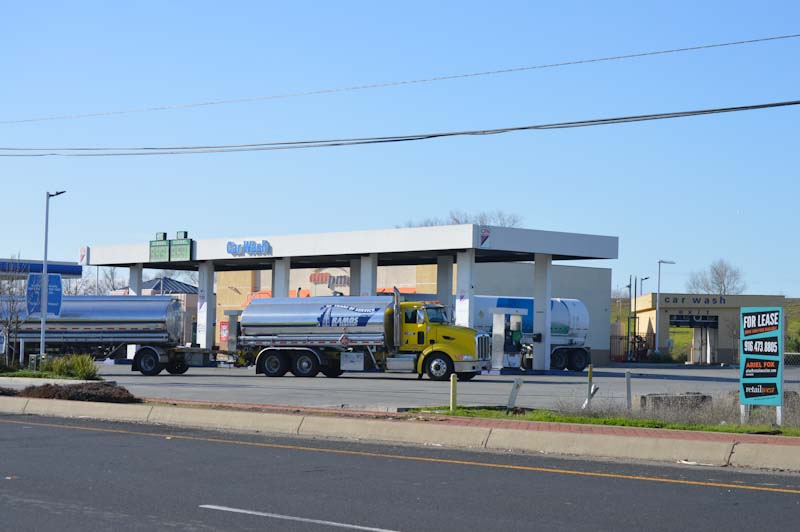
(122, 318)
(316, 316)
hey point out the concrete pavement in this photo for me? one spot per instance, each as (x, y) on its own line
(390, 391)
(79, 475)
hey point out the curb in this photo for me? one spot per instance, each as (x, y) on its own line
(658, 449)
(32, 381)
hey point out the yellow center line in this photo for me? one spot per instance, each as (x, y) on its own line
(414, 458)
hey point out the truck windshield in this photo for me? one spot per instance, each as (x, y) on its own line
(437, 315)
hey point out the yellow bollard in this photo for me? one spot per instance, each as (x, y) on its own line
(453, 392)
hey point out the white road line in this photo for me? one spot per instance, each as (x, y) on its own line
(293, 518)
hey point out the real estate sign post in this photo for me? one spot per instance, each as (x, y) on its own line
(761, 359)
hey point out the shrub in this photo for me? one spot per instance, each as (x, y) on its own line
(8, 392)
(83, 367)
(92, 391)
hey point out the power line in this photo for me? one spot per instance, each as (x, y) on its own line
(327, 143)
(353, 88)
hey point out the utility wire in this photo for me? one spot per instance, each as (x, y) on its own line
(327, 143)
(371, 86)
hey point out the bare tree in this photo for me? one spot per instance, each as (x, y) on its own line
(111, 280)
(13, 309)
(498, 218)
(721, 278)
(79, 287)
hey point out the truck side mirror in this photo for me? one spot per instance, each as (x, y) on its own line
(420, 317)
(537, 337)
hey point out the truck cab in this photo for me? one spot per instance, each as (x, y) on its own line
(440, 348)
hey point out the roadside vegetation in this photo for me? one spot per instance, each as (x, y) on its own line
(717, 418)
(80, 367)
(103, 392)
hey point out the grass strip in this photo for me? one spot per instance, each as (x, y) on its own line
(555, 417)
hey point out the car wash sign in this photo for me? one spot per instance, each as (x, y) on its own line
(761, 356)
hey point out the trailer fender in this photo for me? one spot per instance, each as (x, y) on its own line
(438, 348)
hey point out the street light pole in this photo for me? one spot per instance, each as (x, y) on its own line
(43, 284)
(641, 285)
(658, 298)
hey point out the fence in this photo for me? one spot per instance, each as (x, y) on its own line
(638, 347)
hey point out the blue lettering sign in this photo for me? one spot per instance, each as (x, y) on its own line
(248, 248)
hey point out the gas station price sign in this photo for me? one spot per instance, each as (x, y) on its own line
(761, 356)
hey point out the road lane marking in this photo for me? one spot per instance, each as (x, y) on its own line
(449, 461)
(294, 518)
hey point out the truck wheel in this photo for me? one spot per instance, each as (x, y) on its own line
(177, 368)
(466, 376)
(275, 364)
(578, 360)
(149, 364)
(439, 367)
(558, 359)
(305, 365)
(332, 373)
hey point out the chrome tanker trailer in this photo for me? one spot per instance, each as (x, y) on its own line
(106, 325)
(336, 334)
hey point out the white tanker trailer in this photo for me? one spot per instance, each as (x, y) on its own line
(568, 329)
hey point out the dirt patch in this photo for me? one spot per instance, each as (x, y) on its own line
(101, 392)
(8, 392)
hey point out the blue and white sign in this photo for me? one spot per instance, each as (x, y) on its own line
(249, 248)
(2, 342)
(761, 358)
(33, 294)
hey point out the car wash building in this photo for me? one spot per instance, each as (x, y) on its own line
(712, 319)
(452, 264)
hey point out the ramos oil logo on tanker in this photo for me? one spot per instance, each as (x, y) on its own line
(345, 316)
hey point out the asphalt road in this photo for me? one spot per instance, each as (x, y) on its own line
(83, 476)
(387, 391)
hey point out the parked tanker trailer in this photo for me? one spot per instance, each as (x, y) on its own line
(107, 325)
(569, 328)
(331, 335)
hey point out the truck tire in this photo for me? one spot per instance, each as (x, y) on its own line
(177, 367)
(274, 364)
(149, 364)
(578, 360)
(332, 373)
(466, 376)
(305, 365)
(558, 359)
(438, 366)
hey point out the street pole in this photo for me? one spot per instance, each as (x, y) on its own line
(658, 299)
(641, 285)
(43, 285)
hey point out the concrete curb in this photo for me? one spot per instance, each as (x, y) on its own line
(658, 449)
(30, 381)
(755, 456)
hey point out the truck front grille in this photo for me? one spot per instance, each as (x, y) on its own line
(483, 346)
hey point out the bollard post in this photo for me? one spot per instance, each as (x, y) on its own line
(744, 414)
(628, 402)
(589, 389)
(779, 416)
(512, 397)
(453, 392)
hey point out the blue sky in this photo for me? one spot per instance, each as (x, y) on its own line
(692, 190)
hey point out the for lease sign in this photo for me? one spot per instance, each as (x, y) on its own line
(761, 358)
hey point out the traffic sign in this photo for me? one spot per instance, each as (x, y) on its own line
(33, 294)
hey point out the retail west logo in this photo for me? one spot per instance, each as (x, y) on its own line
(249, 248)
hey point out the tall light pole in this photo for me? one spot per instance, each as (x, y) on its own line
(43, 285)
(641, 285)
(658, 298)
